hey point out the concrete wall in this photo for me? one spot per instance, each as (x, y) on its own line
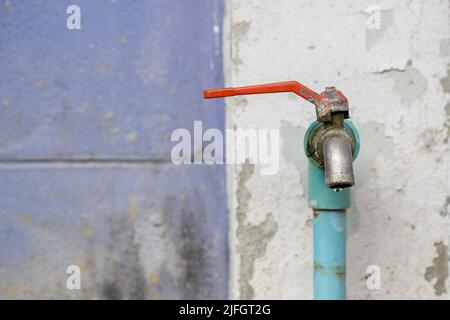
(397, 78)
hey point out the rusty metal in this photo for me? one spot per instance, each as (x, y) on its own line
(327, 103)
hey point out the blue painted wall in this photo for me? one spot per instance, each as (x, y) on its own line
(85, 171)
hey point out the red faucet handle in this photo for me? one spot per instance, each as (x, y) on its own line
(286, 86)
(328, 102)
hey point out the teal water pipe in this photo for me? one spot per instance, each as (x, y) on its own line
(331, 144)
(329, 209)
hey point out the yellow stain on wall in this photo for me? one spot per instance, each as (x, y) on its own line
(27, 218)
(133, 208)
(154, 279)
(87, 232)
(132, 136)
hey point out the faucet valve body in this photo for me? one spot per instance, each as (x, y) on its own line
(332, 147)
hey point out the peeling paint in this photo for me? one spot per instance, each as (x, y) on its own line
(292, 149)
(431, 140)
(409, 84)
(339, 270)
(238, 33)
(445, 82)
(444, 47)
(253, 239)
(395, 92)
(375, 35)
(366, 165)
(447, 122)
(445, 210)
(439, 269)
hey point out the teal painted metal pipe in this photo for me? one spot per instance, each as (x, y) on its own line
(329, 236)
(329, 254)
(329, 227)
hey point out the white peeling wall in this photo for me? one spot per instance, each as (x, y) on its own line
(397, 80)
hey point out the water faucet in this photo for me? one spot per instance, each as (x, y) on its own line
(332, 147)
(331, 144)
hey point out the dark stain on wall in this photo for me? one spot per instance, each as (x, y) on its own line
(439, 269)
(193, 242)
(124, 277)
